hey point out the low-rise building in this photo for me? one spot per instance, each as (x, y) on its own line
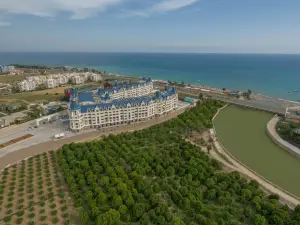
(293, 113)
(6, 69)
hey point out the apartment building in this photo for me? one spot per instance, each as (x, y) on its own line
(95, 77)
(27, 85)
(51, 83)
(77, 79)
(85, 112)
(6, 69)
(140, 88)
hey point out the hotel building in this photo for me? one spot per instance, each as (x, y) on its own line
(143, 87)
(87, 111)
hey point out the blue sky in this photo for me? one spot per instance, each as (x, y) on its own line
(234, 26)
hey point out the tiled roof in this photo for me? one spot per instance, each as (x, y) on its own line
(117, 87)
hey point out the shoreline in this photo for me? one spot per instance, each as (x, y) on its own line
(215, 90)
(286, 197)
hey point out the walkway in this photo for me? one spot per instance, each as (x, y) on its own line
(285, 198)
(271, 127)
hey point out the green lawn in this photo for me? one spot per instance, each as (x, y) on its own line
(243, 133)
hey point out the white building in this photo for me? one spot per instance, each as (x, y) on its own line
(95, 77)
(141, 88)
(77, 79)
(85, 113)
(293, 113)
(51, 83)
(26, 85)
(62, 80)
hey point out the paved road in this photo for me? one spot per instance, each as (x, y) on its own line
(271, 105)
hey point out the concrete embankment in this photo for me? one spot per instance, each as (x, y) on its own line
(271, 131)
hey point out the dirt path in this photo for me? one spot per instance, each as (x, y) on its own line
(23, 153)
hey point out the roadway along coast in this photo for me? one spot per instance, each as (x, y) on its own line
(267, 104)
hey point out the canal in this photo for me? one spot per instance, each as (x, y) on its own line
(243, 133)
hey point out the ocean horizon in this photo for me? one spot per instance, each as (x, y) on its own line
(276, 75)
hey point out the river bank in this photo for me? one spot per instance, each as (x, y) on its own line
(249, 143)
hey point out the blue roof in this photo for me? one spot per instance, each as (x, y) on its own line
(118, 103)
(86, 97)
(117, 87)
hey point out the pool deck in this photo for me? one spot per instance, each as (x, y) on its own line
(271, 130)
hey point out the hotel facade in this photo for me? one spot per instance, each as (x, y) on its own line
(141, 88)
(86, 113)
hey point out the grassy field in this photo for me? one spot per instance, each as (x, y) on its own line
(33, 192)
(248, 142)
(10, 79)
(33, 96)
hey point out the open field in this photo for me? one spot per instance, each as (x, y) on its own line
(11, 78)
(33, 192)
(33, 96)
(243, 133)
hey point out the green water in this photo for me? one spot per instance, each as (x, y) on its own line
(243, 133)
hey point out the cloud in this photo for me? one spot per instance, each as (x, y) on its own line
(4, 24)
(161, 7)
(79, 9)
(171, 5)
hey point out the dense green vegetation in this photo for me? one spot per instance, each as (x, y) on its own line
(286, 130)
(155, 176)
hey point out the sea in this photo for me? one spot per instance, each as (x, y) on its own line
(272, 75)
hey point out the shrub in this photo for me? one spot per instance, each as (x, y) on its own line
(54, 212)
(42, 204)
(64, 208)
(43, 218)
(20, 206)
(42, 211)
(52, 206)
(19, 220)
(55, 220)
(20, 213)
(9, 212)
(10, 199)
(65, 215)
(9, 205)
(7, 219)
(31, 196)
(31, 215)
(31, 203)
(30, 223)
(66, 222)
